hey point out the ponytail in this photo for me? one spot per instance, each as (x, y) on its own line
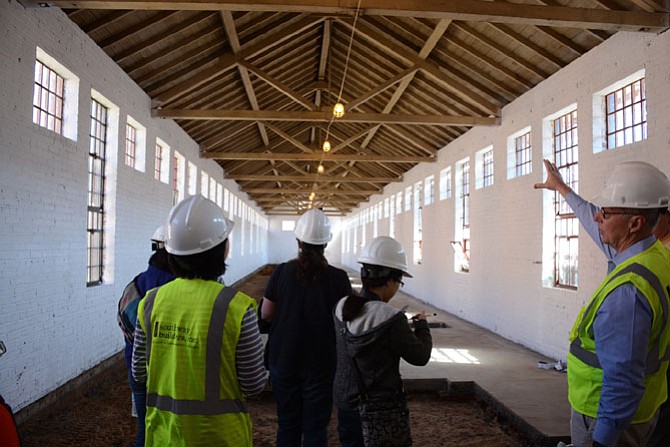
(353, 306)
(311, 263)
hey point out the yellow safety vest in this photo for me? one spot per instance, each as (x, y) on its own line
(649, 272)
(193, 395)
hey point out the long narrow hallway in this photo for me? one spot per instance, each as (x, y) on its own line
(477, 390)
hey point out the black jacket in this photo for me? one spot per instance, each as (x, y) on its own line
(302, 337)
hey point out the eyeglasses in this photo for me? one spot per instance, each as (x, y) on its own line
(400, 282)
(607, 213)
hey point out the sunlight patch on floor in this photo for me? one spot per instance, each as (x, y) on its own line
(450, 355)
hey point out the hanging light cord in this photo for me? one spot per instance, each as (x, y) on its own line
(351, 41)
(346, 62)
(344, 78)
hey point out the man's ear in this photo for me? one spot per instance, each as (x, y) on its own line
(637, 223)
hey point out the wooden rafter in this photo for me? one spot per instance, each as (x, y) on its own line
(471, 10)
(315, 156)
(270, 115)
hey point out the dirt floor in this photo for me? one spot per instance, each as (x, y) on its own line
(97, 414)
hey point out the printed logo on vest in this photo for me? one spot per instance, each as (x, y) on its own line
(171, 334)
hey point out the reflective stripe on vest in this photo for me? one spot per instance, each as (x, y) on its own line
(653, 362)
(148, 309)
(212, 404)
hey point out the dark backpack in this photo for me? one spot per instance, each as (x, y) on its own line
(127, 313)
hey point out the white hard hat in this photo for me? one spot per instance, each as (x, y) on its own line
(385, 251)
(159, 234)
(313, 227)
(635, 184)
(195, 225)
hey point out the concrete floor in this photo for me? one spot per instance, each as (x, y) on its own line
(505, 373)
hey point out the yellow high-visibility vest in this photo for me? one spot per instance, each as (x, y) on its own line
(193, 395)
(649, 272)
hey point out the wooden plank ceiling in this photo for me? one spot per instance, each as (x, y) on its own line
(254, 83)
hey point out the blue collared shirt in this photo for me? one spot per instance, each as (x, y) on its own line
(621, 330)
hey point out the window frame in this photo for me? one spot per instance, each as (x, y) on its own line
(95, 215)
(429, 190)
(70, 104)
(445, 183)
(49, 99)
(130, 151)
(523, 154)
(565, 149)
(617, 114)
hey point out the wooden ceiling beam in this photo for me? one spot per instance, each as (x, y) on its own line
(325, 191)
(502, 50)
(305, 198)
(596, 33)
(412, 140)
(289, 212)
(146, 44)
(230, 133)
(271, 115)
(645, 5)
(347, 141)
(172, 70)
(279, 86)
(167, 53)
(105, 20)
(380, 39)
(129, 32)
(356, 102)
(290, 139)
(325, 49)
(229, 60)
(472, 10)
(315, 156)
(231, 32)
(498, 84)
(324, 55)
(310, 178)
(576, 49)
(427, 47)
(296, 168)
(532, 46)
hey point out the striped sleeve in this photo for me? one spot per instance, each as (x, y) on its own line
(139, 362)
(249, 356)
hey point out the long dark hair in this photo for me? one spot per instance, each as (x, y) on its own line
(311, 263)
(207, 265)
(353, 307)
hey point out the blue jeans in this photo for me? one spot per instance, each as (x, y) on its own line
(140, 398)
(304, 405)
(349, 428)
(139, 392)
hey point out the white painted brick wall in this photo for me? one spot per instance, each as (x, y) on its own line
(503, 291)
(53, 325)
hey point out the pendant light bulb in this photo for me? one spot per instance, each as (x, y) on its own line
(312, 195)
(338, 110)
(326, 146)
(320, 169)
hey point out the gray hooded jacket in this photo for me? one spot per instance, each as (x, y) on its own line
(378, 338)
